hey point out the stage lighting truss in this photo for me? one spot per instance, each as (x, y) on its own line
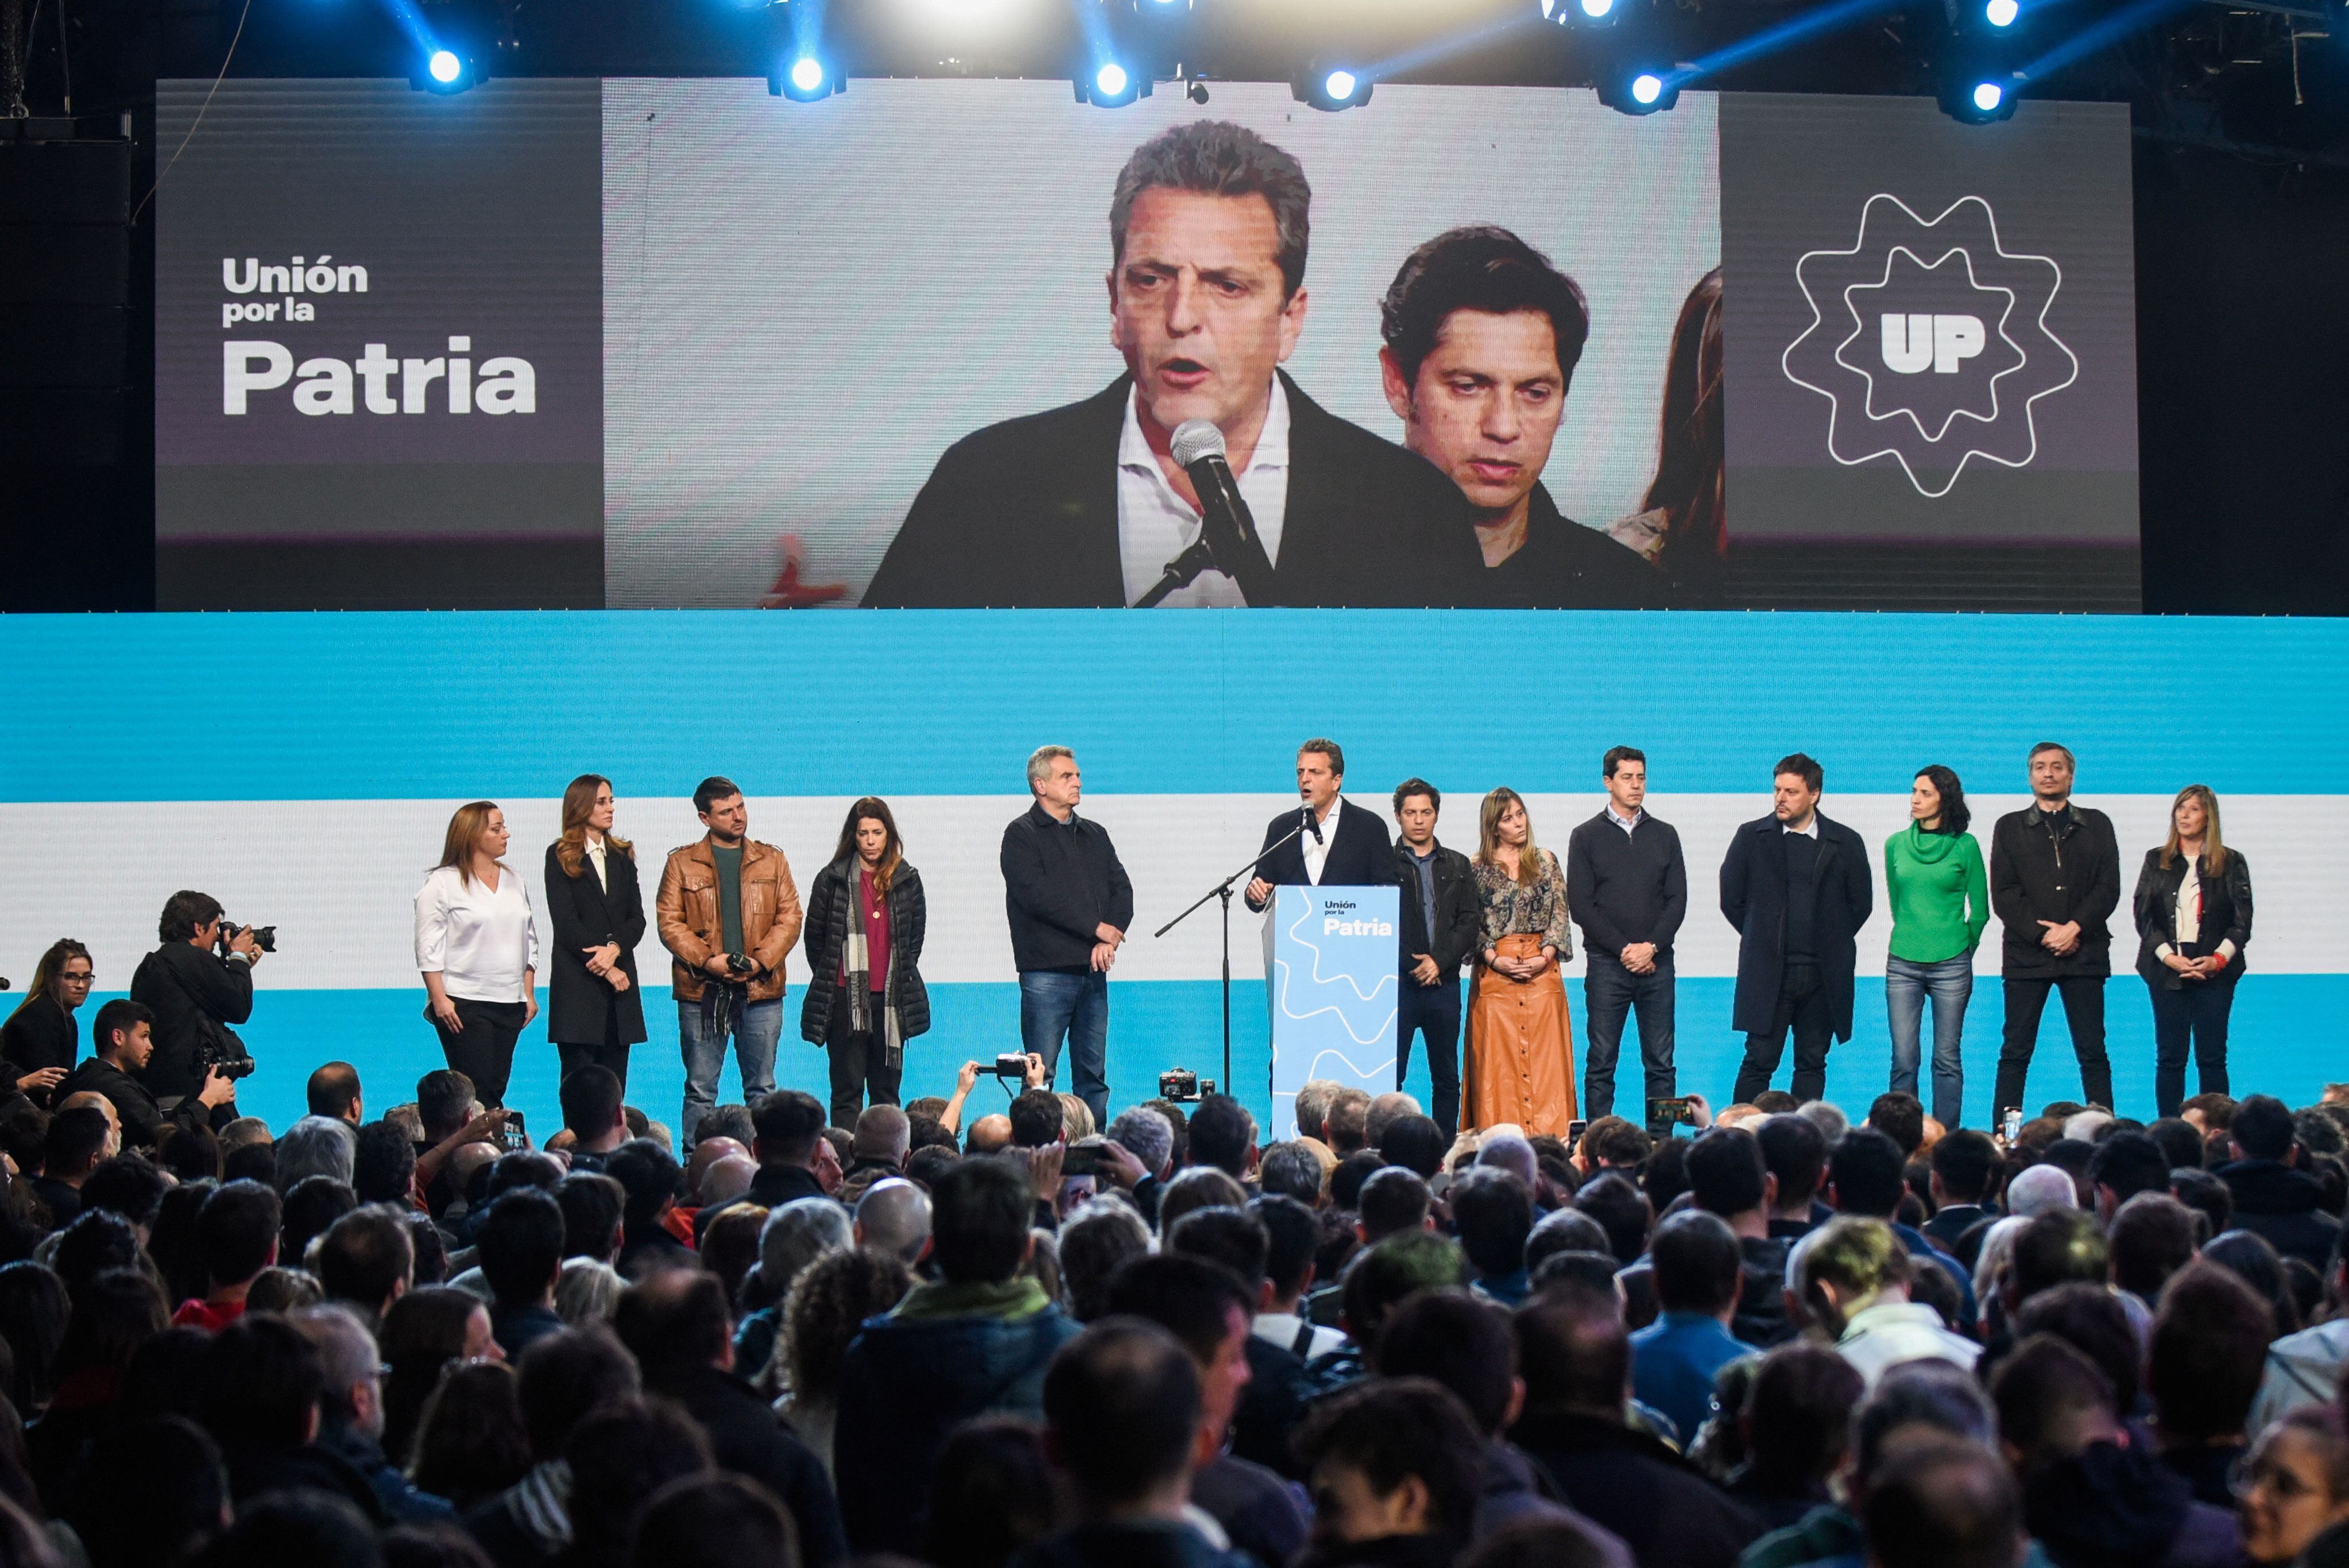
(1330, 86)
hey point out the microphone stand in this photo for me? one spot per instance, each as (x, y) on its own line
(1179, 573)
(1223, 890)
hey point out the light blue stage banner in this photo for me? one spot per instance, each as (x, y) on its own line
(1330, 957)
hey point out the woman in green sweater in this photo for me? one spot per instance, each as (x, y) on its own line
(1941, 905)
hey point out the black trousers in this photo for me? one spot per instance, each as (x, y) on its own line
(1802, 1007)
(575, 1056)
(1610, 993)
(1432, 1011)
(859, 1068)
(483, 1049)
(2084, 1011)
(2194, 1015)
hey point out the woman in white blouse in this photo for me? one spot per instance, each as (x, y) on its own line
(477, 948)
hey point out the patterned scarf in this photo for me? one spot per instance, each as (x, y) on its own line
(857, 962)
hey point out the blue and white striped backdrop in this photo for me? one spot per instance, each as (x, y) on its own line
(302, 768)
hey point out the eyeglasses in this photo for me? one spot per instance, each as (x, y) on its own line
(77, 979)
(2246, 1476)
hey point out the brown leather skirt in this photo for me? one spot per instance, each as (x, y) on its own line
(1520, 1057)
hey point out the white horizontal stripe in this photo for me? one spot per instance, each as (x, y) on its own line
(339, 877)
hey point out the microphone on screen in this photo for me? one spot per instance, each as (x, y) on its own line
(1225, 522)
(1311, 825)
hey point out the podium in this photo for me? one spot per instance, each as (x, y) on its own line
(1330, 967)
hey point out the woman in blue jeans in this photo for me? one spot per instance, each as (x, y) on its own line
(1941, 905)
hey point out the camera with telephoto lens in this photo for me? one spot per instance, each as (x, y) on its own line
(1183, 1086)
(263, 937)
(212, 1053)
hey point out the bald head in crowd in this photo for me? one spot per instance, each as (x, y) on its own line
(894, 1217)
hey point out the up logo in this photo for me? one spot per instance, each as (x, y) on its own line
(1930, 341)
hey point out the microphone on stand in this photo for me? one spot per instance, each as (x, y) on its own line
(1313, 826)
(1225, 524)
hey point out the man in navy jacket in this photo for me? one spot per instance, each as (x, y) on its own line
(1329, 843)
(1796, 886)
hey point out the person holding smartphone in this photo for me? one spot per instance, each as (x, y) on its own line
(477, 949)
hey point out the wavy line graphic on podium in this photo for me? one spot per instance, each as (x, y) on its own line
(1330, 984)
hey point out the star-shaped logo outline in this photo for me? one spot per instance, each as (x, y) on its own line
(1860, 330)
(1787, 362)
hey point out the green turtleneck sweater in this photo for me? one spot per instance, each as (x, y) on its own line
(1939, 897)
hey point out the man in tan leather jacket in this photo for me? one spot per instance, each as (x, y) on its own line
(728, 915)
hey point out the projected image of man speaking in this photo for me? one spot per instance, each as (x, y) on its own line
(1084, 505)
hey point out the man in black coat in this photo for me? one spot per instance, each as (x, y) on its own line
(1069, 902)
(1325, 843)
(1085, 505)
(2054, 879)
(1442, 922)
(1627, 887)
(1796, 886)
(123, 1037)
(193, 990)
(2274, 1198)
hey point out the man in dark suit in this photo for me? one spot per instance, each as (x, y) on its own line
(2054, 880)
(1340, 845)
(1481, 338)
(1796, 886)
(1085, 505)
(1627, 887)
(1442, 922)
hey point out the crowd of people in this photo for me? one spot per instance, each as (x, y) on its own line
(408, 1338)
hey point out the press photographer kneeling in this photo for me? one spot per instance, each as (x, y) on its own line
(124, 1040)
(197, 983)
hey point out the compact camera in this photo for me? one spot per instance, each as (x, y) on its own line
(1011, 1064)
(736, 963)
(263, 937)
(1183, 1086)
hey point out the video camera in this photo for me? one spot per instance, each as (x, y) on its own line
(1183, 1086)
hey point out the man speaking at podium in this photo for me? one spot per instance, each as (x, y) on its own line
(1339, 846)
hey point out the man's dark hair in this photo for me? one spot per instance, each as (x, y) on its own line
(647, 1176)
(236, 1230)
(1621, 1209)
(1698, 1265)
(1813, 776)
(2207, 1195)
(185, 913)
(1492, 1213)
(1612, 1140)
(1122, 1407)
(1393, 1200)
(122, 1013)
(1900, 1117)
(522, 1167)
(1485, 269)
(262, 1379)
(2128, 1163)
(1292, 1237)
(1573, 1353)
(593, 1206)
(1725, 1171)
(520, 1245)
(96, 1241)
(979, 1220)
(1452, 1338)
(1037, 1117)
(2061, 1246)
(1967, 1162)
(1618, 755)
(312, 1528)
(1329, 752)
(364, 1256)
(1232, 1237)
(383, 1163)
(2181, 1145)
(1415, 1144)
(2262, 1125)
(75, 1138)
(2218, 1109)
(620, 1454)
(788, 1123)
(1391, 1428)
(2090, 1319)
(333, 1089)
(444, 1098)
(1943, 1505)
(1216, 157)
(1381, 1278)
(714, 1522)
(1866, 1172)
(129, 1185)
(1566, 1231)
(1190, 1297)
(674, 1321)
(1291, 1170)
(182, 1494)
(2153, 1236)
(1795, 1151)
(1353, 1172)
(24, 1134)
(1345, 1127)
(591, 1100)
(1220, 1129)
(711, 790)
(2050, 1396)
(2207, 1355)
(1410, 787)
(1798, 1413)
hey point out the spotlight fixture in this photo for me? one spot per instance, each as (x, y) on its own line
(1583, 12)
(446, 70)
(2001, 12)
(809, 79)
(1634, 89)
(1977, 98)
(1331, 87)
(1111, 84)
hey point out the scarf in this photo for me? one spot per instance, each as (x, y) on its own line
(857, 962)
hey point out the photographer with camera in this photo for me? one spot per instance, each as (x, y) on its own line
(197, 983)
(728, 912)
(124, 1037)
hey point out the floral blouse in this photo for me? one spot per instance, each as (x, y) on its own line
(1513, 908)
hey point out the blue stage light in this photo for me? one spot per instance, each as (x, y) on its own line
(445, 66)
(1987, 96)
(1331, 87)
(1647, 87)
(807, 73)
(1632, 88)
(1110, 81)
(1597, 9)
(2001, 12)
(1339, 84)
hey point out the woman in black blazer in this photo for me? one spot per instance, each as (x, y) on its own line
(865, 921)
(2193, 921)
(595, 1011)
